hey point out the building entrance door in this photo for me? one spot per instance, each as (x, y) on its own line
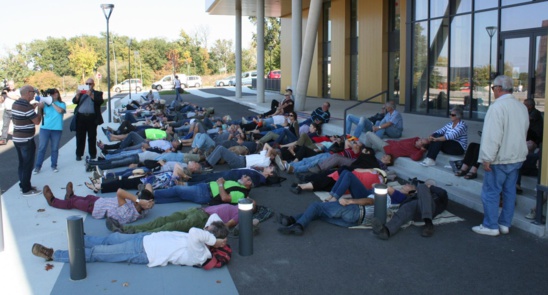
(524, 59)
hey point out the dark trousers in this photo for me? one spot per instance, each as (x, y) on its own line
(85, 126)
(273, 107)
(472, 155)
(112, 185)
(450, 147)
(25, 153)
(419, 208)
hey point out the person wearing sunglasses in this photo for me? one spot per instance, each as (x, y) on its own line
(451, 139)
(88, 112)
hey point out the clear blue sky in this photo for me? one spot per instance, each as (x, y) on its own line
(28, 20)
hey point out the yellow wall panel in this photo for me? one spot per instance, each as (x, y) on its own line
(340, 49)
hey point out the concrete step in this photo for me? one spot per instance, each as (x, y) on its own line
(468, 192)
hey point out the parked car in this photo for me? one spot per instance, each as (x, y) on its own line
(168, 82)
(276, 74)
(136, 85)
(193, 81)
(225, 81)
(247, 77)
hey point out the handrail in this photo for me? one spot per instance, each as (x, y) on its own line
(359, 103)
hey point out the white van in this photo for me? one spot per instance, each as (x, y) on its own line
(247, 77)
(168, 82)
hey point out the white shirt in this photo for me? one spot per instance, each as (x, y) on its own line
(177, 83)
(11, 98)
(258, 160)
(178, 248)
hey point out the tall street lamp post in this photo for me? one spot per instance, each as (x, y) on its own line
(137, 55)
(107, 10)
(115, 67)
(129, 65)
(491, 30)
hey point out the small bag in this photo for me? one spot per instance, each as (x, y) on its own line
(73, 122)
(219, 257)
(181, 90)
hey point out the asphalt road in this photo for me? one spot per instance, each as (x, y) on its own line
(332, 260)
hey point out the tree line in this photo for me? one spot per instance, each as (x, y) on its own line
(64, 63)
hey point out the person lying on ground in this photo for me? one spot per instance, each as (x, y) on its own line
(182, 221)
(413, 148)
(213, 193)
(125, 208)
(326, 180)
(427, 203)
(153, 249)
(263, 159)
(259, 175)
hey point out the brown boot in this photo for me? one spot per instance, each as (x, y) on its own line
(48, 194)
(70, 191)
(42, 251)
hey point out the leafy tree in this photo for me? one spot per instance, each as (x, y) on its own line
(272, 31)
(51, 54)
(222, 56)
(15, 65)
(45, 80)
(83, 58)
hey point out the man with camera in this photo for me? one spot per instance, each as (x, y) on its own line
(88, 112)
(9, 96)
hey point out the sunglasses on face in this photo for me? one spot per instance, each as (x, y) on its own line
(453, 115)
(291, 115)
(89, 83)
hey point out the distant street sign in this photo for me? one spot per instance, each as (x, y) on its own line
(99, 76)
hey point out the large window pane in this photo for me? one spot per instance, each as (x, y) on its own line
(438, 59)
(421, 9)
(420, 61)
(525, 17)
(540, 72)
(459, 87)
(485, 4)
(483, 59)
(464, 6)
(439, 8)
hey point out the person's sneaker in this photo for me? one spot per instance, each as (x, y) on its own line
(295, 229)
(36, 171)
(428, 162)
(485, 231)
(32, 192)
(55, 169)
(504, 229)
(285, 220)
(279, 163)
(42, 251)
(78, 158)
(113, 225)
(99, 171)
(296, 190)
(532, 214)
(428, 230)
(244, 120)
(379, 229)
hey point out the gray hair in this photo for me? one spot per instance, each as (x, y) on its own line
(218, 229)
(457, 111)
(26, 89)
(505, 82)
(390, 104)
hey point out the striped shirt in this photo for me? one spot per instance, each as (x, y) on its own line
(126, 213)
(22, 115)
(459, 133)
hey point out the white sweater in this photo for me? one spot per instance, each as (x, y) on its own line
(503, 140)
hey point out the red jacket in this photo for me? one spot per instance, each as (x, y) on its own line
(404, 148)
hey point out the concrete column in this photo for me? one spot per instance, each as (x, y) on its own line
(296, 40)
(309, 44)
(260, 51)
(238, 45)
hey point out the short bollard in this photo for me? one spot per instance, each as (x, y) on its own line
(77, 255)
(245, 216)
(381, 191)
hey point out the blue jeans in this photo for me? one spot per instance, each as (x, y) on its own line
(115, 163)
(349, 181)
(232, 159)
(203, 142)
(115, 247)
(360, 125)
(304, 164)
(199, 193)
(331, 212)
(286, 136)
(46, 136)
(502, 178)
(122, 154)
(25, 153)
